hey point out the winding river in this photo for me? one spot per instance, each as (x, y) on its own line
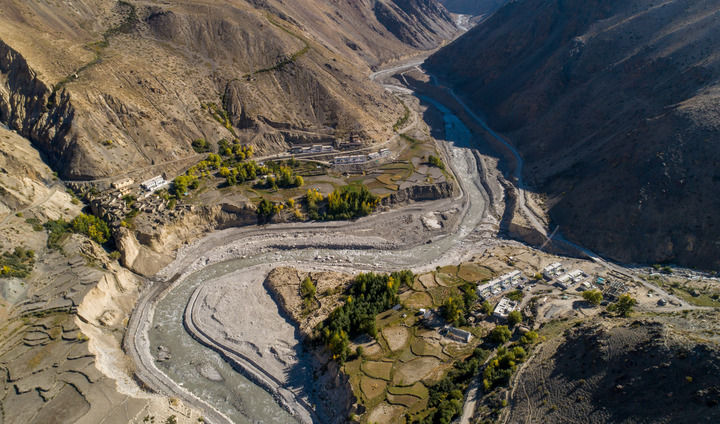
(228, 395)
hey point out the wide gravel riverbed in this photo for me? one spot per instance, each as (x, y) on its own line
(205, 374)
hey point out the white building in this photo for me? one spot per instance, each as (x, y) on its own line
(498, 285)
(551, 271)
(504, 307)
(154, 184)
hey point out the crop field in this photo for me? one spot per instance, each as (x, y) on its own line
(393, 373)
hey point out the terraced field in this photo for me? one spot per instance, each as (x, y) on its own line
(393, 372)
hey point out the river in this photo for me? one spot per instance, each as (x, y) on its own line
(235, 396)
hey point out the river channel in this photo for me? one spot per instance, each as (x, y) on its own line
(235, 396)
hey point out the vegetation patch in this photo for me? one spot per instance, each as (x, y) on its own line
(420, 347)
(396, 337)
(368, 295)
(377, 369)
(411, 372)
(474, 272)
(403, 400)
(18, 263)
(372, 387)
(418, 300)
(418, 390)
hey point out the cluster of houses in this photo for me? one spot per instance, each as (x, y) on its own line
(358, 159)
(348, 160)
(315, 148)
(502, 284)
(566, 280)
(154, 184)
(124, 186)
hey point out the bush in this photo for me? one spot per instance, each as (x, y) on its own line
(436, 162)
(516, 295)
(593, 297)
(514, 318)
(445, 400)
(623, 306)
(19, 263)
(529, 338)
(200, 145)
(307, 289)
(91, 226)
(500, 334)
(350, 203)
(56, 232)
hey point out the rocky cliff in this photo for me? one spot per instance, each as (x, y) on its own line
(614, 107)
(103, 86)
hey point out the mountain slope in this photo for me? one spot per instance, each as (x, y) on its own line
(614, 106)
(473, 7)
(102, 86)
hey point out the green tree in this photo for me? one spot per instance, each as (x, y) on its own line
(514, 318)
(307, 288)
(529, 338)
(91, 226)
(200, 145)
(299, 181)
(623, 306)
(436, 162)
(500, 334)
(593, 297)
(486, 307)
(453, 309)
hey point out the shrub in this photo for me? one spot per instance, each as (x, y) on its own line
(500, 334)
(18, 264)
(623, 306)
(91, 226)
(436, 161)
(593, 297)
(514, 318)
(200, 145)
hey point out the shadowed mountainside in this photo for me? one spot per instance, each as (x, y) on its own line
(614, 106)
(473, 7)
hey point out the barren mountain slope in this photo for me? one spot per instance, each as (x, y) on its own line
(103, 86)
(615, 107)
(631, 371)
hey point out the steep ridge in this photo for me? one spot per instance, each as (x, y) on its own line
(614, 106)
(473, 7)
(104, 86)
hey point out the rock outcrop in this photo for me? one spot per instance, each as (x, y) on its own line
(419, 193)
(614, 107)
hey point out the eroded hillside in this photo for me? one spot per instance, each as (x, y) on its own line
(102, 86)
(614, 106)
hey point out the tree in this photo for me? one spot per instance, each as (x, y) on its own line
(593, 297)
(500, 334)
(91, 226)
(436, 162)
(299, 181)
(200, 145)
(486, 308)
(307, 288)
(453, 309)
(514, 318)
(623, 306)
(529, 338)
(515, 295)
